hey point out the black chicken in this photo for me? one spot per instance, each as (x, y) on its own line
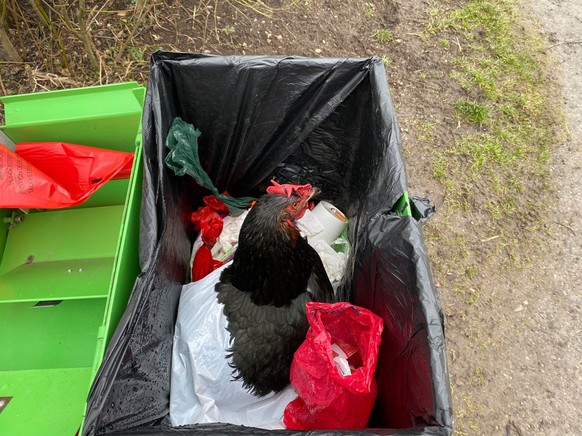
(265, 289)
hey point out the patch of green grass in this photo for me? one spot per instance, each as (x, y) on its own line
(440, 168)
(473, 111)
(503, 158)
(450, 252)
(368, 9)
(471, 271)
(463, 413)
(478, 378)
(425, 130)
(493, 168)
(444, 43)
(383, 36)
(136, 53)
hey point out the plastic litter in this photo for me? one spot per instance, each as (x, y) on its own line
(340, 359)
(209, 224)
(183, 159)
(226, 242)
(333, 261)
(53, 175)
(335, 391)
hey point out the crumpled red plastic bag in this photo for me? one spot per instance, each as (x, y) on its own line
(204, 264)
(327, 399)
(53, 175)
(208, 222)
(215, 204)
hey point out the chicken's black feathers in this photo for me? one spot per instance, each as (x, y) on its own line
(272, 261)
(264, 293)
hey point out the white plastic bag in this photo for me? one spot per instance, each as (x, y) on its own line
(202, 389)
(333, 261)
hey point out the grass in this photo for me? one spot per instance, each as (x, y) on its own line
(473, 111)
(500, 161)
(425, 129)
(383, 36)
(386, 60)
(495, 169)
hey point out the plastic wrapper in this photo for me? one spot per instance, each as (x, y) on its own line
(224, 247)
(327, 122)
(333, 261)
(332, 394)
(53, 175)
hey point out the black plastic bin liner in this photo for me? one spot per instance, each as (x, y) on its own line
(329, 122)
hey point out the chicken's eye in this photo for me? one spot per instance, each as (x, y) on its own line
(295, 205)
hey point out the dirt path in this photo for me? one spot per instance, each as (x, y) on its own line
(534, 385)
(563, 302)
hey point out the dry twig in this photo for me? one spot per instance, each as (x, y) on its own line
(7, 50)
(47, 22)
(562, 43)
(80, 30)
(141, 9)
(2, 88)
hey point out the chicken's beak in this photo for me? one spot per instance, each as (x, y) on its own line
(313, 193)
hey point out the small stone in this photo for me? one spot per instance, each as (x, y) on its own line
(518, 308)
(317, 50)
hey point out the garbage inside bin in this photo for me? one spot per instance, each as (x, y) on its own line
(327, 122)
(254, 321)
(332, 222)
(183, 159)
(209, 225)
(52, 175)
(335, 392)
(223, 249)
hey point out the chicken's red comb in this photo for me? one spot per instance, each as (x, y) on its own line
(287, 189)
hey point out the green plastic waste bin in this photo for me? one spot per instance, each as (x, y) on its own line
(66, 275)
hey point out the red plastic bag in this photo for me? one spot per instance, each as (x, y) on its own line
(327, 399)
(209, 223)
(53, 175)
(204, 264)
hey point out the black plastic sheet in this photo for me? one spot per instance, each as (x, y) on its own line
(328, 122)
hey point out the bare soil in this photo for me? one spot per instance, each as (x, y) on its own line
(513, 335)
